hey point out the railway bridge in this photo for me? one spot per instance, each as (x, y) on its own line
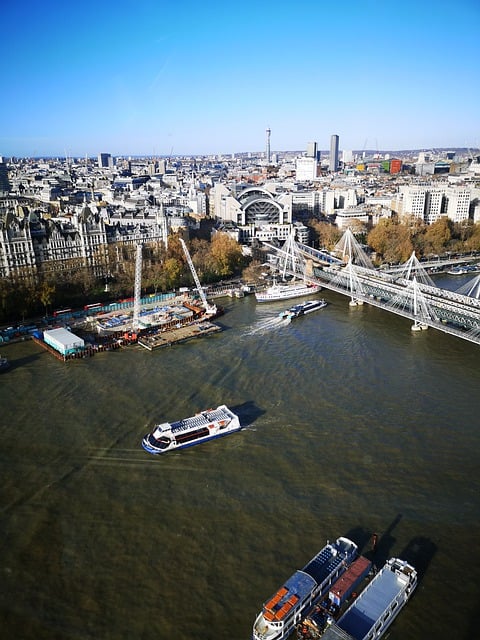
(407, 290)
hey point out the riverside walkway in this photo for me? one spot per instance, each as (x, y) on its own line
(407, 291)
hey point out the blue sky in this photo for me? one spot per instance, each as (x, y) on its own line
(156, 77)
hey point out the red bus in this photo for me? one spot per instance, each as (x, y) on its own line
(61, 312)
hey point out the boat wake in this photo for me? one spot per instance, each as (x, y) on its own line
(116, 457)
(266, 325)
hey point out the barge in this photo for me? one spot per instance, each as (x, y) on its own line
(377, 606)
(336, 601)
(284, 610)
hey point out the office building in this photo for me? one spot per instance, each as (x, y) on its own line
(312, 150)
(333, 165)
(105, 161)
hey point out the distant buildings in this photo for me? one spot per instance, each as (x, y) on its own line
(57, 212)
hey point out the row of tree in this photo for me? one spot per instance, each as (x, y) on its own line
(70, 284)
(394, 240)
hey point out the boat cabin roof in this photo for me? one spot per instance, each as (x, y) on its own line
(367, 609)
(287, 597)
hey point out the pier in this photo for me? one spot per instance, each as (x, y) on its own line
(167, 338)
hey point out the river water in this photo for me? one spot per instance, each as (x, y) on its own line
(353, 425)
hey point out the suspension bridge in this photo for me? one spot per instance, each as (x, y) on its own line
(407, 290)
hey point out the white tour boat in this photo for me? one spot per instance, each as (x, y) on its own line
(286, 291)
(302, 309)
(207, 425)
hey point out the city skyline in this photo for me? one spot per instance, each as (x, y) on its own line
(143, 79)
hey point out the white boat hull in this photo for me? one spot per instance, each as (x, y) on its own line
(286, 292)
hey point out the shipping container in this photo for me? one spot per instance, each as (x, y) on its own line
(349, 581)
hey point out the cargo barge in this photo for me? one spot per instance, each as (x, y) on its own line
(336, 601)
(373, 611)
(284, 610)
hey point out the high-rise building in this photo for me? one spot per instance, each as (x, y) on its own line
(333, 164)
(4, 182)
(312, 150)
(105, 160)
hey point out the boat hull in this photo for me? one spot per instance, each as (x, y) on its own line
(303, 308)
(286, 292)
(187, 444)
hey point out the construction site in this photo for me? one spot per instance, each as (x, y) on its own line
(153, 322)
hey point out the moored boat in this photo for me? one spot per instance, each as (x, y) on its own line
(286, 607)
(204, 426)
(374, 610)
(462, 271)
(4, 364)
(302, 309)
(286, 291)
(333, 604)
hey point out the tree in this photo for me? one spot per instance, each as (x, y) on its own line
(253, 272)
(6, 287)
(226, 255)
(473, 242)
(328, 235)
(391, 240)
(438, 235)
(46, 294)
(202, 259)
(172, 273)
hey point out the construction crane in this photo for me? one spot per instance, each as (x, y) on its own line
(209, 309)
(138, 286)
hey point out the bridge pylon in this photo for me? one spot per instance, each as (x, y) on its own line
(350, 249)
(413, 300)
(347, 279)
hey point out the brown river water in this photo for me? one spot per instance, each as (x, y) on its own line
(353, 425)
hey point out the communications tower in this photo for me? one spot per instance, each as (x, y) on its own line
(267, 148)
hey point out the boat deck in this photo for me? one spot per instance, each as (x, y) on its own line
(381, 599)
(200, 420)
(322, 565)
(363, 614)
(177, 335)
